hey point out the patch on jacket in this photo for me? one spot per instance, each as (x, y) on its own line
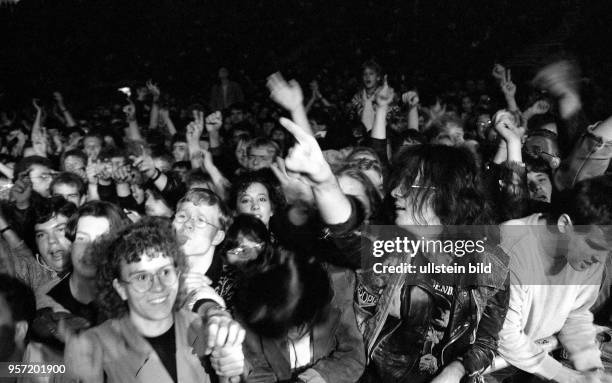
(366, 298)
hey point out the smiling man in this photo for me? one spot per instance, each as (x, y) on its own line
(146, 339)
(556, 270)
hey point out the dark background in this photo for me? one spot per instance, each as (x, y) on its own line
(81, 46)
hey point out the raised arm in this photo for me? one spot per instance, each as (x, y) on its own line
(289, 96)
(154, 115)
(411, 98)
(67, 117)
(384, 98)
(307, 160)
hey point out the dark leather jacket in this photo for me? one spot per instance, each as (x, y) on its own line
(477, 308)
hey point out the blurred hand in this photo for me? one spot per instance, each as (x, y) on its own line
(411, 98)
(195, 129)
(540, 107)
(498, 72)
(507, 86)
(83, 356)
(228, 361)
(57, 96)
(37, 105)
(507, 126)
(144, 164)
(153, 90)
(92, 170)
(223, 331)
(286, 94)
(294, 188)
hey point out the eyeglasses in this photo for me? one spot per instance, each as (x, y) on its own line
(142, 282)
(423, 187)
(200, 222)
(238, 251)
(44, 176)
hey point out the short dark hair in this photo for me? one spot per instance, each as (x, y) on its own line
(252, 228)
(26, 163)
(195, 176)
(44, 209)
(111, 152)
(373, 64)
(291, 291)
(260, 142)
(19, 297)
(69, 178)
(72, 153)
(179, 137)
(587, 203)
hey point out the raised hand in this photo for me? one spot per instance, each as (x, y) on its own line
(498, 72)
(286, 94)
(145, 164)
(153, 90)
(411, 98)
(507, 86)
(195, 129)
(92, 169)
(83, 355)
(222, 331)
(306, 157)
(57, 96)
(508, 126)
(540, 107)
(385, 95)
(37, 106)
(294, 188)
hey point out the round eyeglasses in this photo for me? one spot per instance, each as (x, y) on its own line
(142, 282)
(200, 221)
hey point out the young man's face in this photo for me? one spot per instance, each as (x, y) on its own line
(52, 244)
(587, 249)
(260, 158)
(69, 192)
(92, 146)
(370, 78)
(540, 187)
(180, 151)
(236, 116)
(88, 229)
(41, 177)
(75, 164)
(197, 227)
(156, 303)
(156, 207)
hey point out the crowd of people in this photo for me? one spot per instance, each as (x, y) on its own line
(231, 239)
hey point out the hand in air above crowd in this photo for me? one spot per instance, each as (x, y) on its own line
(287, 94)
(306, 157)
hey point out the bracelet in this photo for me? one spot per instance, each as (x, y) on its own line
(156, 176)
(5, 229)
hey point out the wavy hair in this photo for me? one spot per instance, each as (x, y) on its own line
(150, 237)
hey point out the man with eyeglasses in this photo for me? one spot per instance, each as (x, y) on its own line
(200, 223)
(146, 339)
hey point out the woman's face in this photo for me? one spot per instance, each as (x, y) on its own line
(241, 153)
(255, 200)
(248, 250)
